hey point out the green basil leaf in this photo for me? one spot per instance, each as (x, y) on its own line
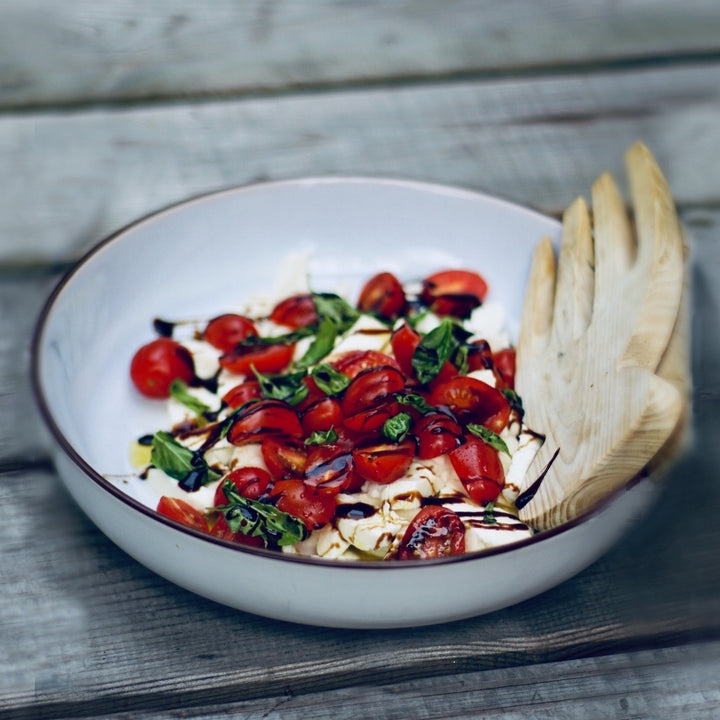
(336, 309)
(489, 514)
(330, 380)
(320, 437)
(288, 387)
(179, 391)
(488, 436)
(397, 427)
(515, 402)
(434, 349)
(258, 519)
(180, 463)
(415, 401)
(321, 345)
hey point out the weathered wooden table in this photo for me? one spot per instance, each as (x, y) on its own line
(110, 110)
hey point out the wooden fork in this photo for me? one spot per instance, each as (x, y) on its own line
(601, 358)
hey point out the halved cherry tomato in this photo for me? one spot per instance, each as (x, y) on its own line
(504, 361)
(222, 530)
(437, 433)
(473, 401)
(226, 331)
(404, 341)
(244, 392)
(284, 458)
(369, 422)
(183, 512)
(370, 388)
(353, 362)
(436, 531)
(453, 292)
(479, 356)
(479, 468)
(156, 364)
(263, 419)
(384, 462)
(383, 296)
(322, 415)
(250, 482)
(331, 468)
(295, 311)
(300, 500)
(264, 358)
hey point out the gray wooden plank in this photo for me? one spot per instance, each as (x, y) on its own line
(83, 51)
(672, 683)
(76, 176)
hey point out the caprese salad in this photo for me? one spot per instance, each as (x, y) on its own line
(387, 428)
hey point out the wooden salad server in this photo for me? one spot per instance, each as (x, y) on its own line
(602, 356)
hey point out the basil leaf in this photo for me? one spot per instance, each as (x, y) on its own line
(489, 515)
(434, 349)
(180, 463)
(179, 391)
(488, 436)
(334, 308)
(321, 345)
(289, 387)
(414, 401)
(397, 427)
(319, 437)
(258, 519)
(515, 402)
(330, 380)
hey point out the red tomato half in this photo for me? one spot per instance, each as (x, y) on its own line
(404, 341)
(251, 482)
(182, 512)
(384, 462)
(244, 392)
(453, 292)
(479, 468)
(353, 362)
(434, 532)
(504, 361)
(473, 401)
(263, 419)
(226, 331)
(437, 433)
(322, 415)
(264, 358)
(370, 388)
(383, 296)
(331, 468)
(298, 499)
(155, 365)
(284, 458)
(222, 530)
(295, 312)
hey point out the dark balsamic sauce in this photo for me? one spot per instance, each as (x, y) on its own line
(524, 498)
(355, 511)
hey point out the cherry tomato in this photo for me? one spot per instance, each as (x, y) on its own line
(370, 388)
(479, 468)
(404, 341)
(244, 392)
(384, 462)
(226, 331)
(322, 415)
(250, 482)
(353, 362)
(436, 531)
(453, 292)
(300, 500)
(473, 401)
(222, 530)
(504, 361)
(155, 365)
(263, 419)
(383, 296)
(182, 512)
(295, 312)
(264, 358)
(479, 356)
(284, 458)
(437, 433)
(331, 468)
(369, 422)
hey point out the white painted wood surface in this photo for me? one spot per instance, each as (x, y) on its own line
(110, 110)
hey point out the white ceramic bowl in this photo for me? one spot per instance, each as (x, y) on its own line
(201, 257)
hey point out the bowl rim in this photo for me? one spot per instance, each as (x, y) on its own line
(98, 479)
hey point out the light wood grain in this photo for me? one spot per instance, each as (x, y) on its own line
(77, 176)
(85, 52)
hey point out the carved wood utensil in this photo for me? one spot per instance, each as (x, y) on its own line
(600, 350)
